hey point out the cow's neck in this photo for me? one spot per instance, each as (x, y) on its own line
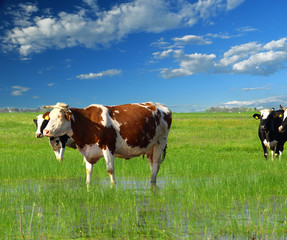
(86, 126)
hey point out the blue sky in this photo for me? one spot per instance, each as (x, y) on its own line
(189, 55)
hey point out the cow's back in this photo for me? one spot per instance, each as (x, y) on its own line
(139, 124)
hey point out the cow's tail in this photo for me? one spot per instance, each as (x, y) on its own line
(163, 154)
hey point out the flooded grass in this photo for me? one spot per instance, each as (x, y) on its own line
(213, 184)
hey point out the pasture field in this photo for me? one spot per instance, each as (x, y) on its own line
(213, 184)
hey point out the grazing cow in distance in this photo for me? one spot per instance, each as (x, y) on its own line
(123, 131)
(268, 131)
(58, 144)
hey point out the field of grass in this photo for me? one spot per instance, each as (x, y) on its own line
(213, 184)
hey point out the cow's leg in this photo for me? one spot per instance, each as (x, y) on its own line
(280, 148)
(272, 153)
(109, 157)
(56, 154)
(61, 154)
(89, 171)
(156, 160)
(265, 150)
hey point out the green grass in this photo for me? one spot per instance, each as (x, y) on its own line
(213, 184)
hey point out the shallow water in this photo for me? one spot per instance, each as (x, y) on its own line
(132, 209)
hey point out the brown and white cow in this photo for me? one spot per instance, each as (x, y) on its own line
(123, 131)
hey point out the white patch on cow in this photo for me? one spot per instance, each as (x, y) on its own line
(162, 108)
(270, 144)
(105, 114)
(92, 151)
(40, 121)
(285, 115)
(117, 111)
(265, 113)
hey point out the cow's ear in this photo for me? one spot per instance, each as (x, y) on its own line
(280, 115)
(46, 116)
(68, 116)
(256, 116)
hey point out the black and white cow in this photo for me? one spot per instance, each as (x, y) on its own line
(270, 121)
(58, 144)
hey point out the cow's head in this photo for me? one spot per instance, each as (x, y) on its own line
(41, 122)
(60, 121)
(283, 126)
(265, 117)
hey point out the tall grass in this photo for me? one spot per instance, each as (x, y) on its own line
(214, 183)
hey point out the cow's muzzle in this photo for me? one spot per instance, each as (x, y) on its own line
(39, 135)
(46, 133)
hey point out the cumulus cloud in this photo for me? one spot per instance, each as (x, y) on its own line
(19, 90)
(90, 27)
(262, 63)
(109, 73)
(250, 58)
(191, 64)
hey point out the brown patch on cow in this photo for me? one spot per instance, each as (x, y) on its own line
(88, 129)
(150, 106)
(137, 123)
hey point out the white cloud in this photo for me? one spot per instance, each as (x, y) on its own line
(92, 3)
(191, 64)
(168, 53)
(231, 4)
(192, 39)
(280, 44)
(246, 29)
(91, 27)
(239, 52)
(109, 73)
(262, 63)
(268, 102)
(250, 58)
(219, 35)
(255, 89)
(19, 90)
(50, 84)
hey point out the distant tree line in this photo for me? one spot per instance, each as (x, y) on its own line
(14, 109)
(228, 110)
